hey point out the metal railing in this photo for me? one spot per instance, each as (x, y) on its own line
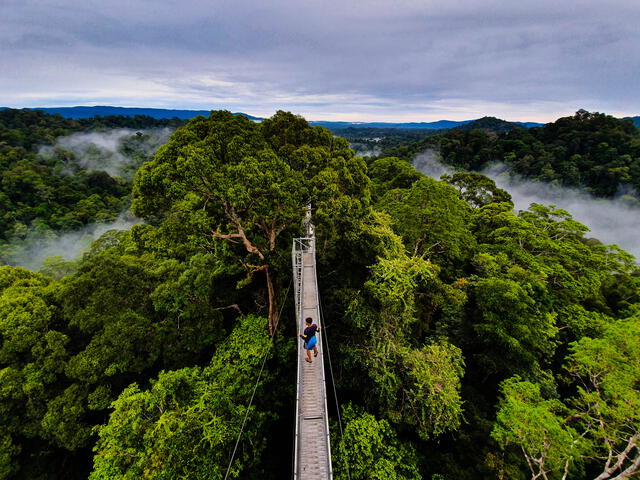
(300, 247)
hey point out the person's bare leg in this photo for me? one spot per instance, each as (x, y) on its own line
(309, 356)
(315, 351)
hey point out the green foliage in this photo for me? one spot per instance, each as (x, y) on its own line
(68, 349)
(434, 373)
(226, 179)
(56, 267)
(606, 374)
(391, 173)
(547, 242)
(370, 449)
(394, 282)
(33, 353)
(476, 189)
(372, 141)
(431, 219)
(591, 150)
(48, 190)
(7, 451)
(514, 324)
(44, 193)
(413, 384)
(598, 426)
(35, 191)
(185, 424)
(537, 426)
(29, 128)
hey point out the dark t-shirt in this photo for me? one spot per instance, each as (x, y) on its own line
(310, 332)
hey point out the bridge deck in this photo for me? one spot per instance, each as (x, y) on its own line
(313, 454)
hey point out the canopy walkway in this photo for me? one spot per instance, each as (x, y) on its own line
(312, 458)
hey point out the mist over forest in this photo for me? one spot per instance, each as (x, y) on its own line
(118, 152)
(610, 220)
(36, 246)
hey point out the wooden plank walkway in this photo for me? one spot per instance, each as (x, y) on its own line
(313, 453)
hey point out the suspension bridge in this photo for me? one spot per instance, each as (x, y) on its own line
(312, 449)
(312, 457)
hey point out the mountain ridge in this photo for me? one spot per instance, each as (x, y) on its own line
(83, 111)
(185, 114)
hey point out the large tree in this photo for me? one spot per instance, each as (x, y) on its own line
(227, 178)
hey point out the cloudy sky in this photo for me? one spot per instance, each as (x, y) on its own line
(385, 60)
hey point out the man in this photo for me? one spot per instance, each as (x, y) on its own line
(309, 337)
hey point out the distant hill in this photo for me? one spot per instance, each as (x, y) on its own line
(495, 124)
(104, 111)
(159, 113)
(593, 151)
(439, 125)
(635, 120)
(489, 123)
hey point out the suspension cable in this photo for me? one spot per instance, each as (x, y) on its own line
(255, 387)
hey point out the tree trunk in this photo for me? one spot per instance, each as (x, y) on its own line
(273, 307)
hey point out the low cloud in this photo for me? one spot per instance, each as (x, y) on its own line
(429, 162)
(31, 251)
(118, 152)
(612, 221)
(365, 150)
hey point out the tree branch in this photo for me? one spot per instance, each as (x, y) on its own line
(630, 470)
(231, 214)
(245, 241)
(233, 306)
(620, 459)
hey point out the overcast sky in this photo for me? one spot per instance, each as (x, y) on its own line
(387, 60)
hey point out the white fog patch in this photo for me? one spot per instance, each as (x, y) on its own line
(118, 152)
(371, 152)
(429, 163)
(31, 251)
(365, 149)
(612, 221)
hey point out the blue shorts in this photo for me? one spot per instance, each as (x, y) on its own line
(311, 343)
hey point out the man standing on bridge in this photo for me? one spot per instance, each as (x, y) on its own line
(309, 337)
